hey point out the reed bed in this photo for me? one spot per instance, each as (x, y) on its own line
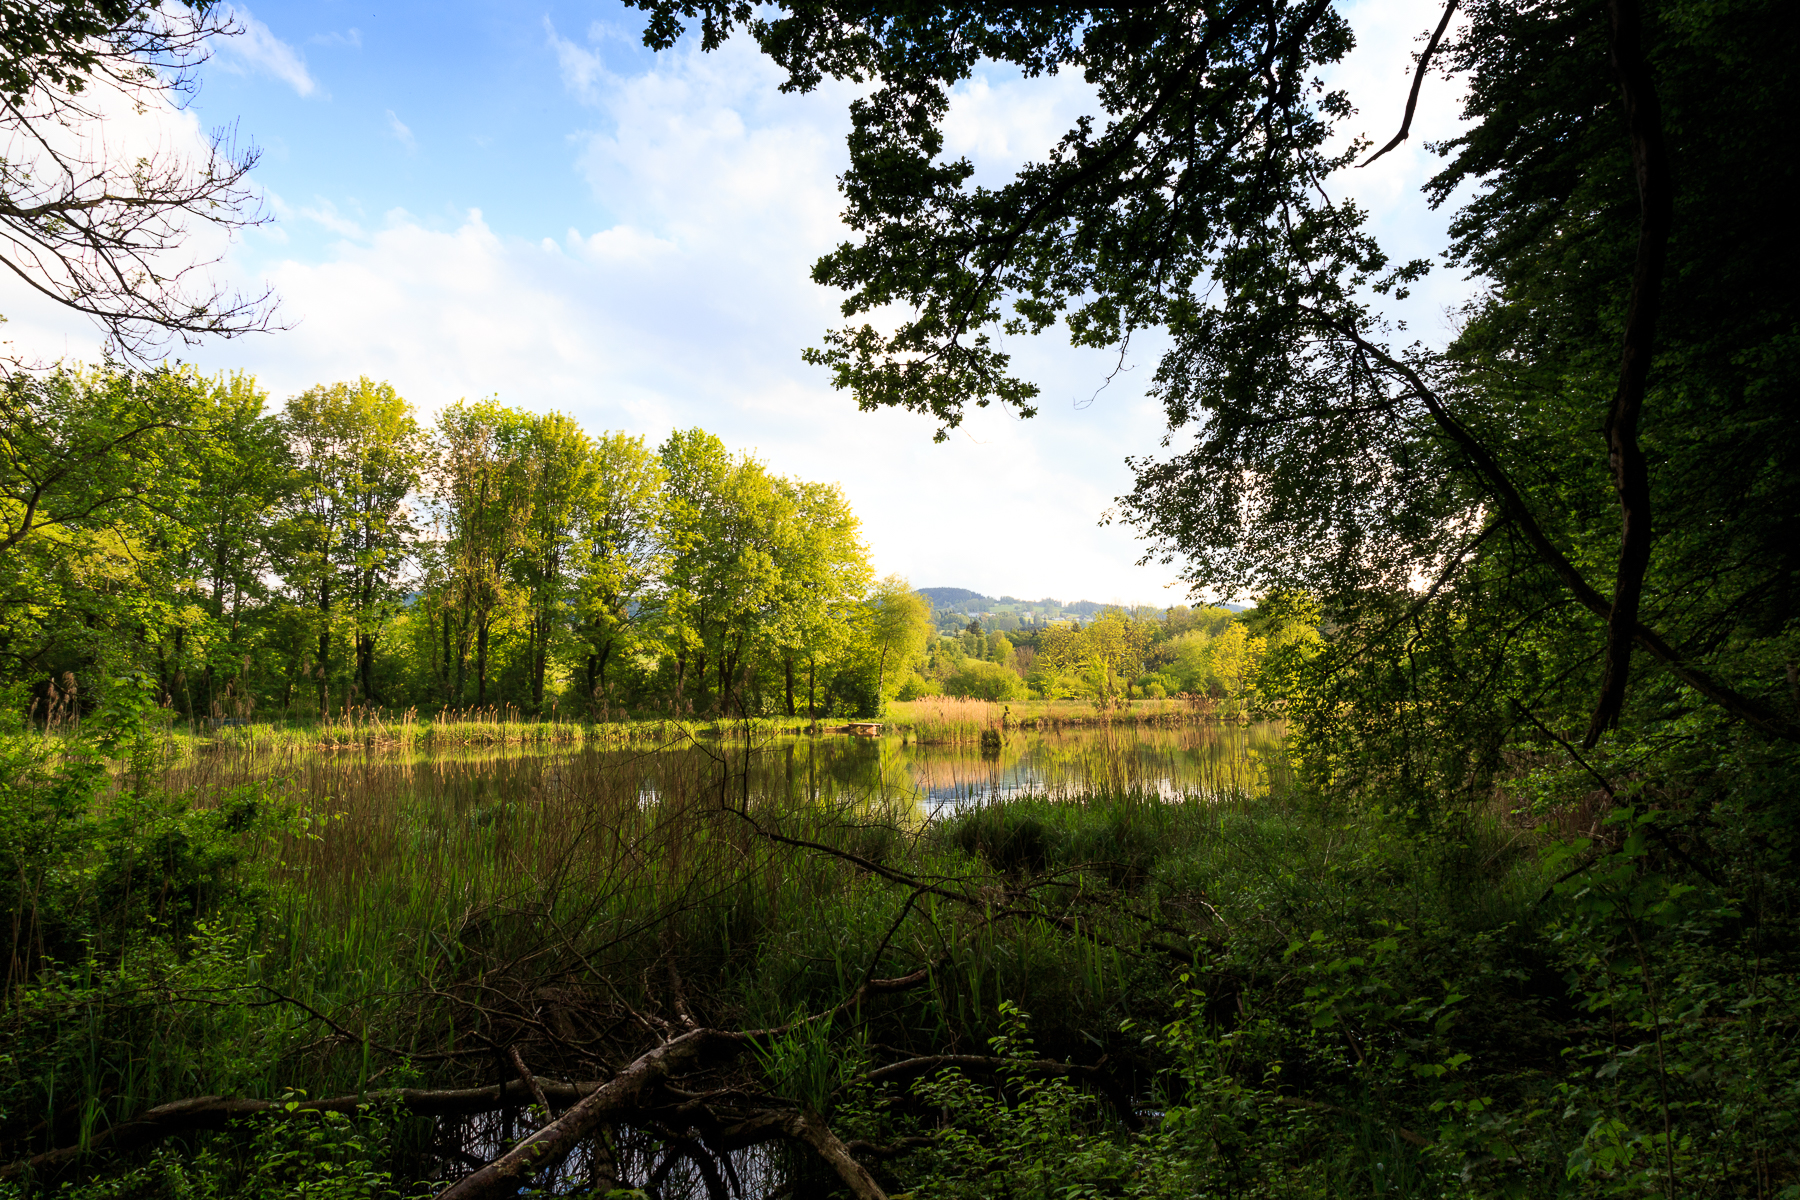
(962, 719)
(393, 921)
(931, 719)
(489, 726)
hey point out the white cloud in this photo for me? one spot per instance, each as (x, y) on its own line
(691, 305)
(1002, 125)
(628, 330)
(131, 125)
(581, 69)
(351, 38)
(325, 214)
(255, 48)
(401, 133)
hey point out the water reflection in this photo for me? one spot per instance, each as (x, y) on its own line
(1211, 762)
(1207, 762)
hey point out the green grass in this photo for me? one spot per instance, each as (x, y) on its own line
(931, 720)
(384, 903)
(496, 726)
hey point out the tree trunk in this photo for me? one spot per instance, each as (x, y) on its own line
(1631, 473)
(787, 668)
(365, 665)
(809, 1128)
(603, 1164)
(444, 670)
(880, 678)
(538, 661)
(511, 1172)
(462, 657)
(481, 641)
(324, 650)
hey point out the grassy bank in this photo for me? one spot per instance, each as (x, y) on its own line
(936, 719)
(474, 727)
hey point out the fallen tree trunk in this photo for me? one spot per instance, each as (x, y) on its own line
(810, 1128)
(553, 1142)
(626, 1098)
(215, 1112)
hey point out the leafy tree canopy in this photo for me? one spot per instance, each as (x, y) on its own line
(1609, 425)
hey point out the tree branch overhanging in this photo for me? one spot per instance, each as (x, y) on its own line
(1412, 97)
(1747, 709)
(106, 233)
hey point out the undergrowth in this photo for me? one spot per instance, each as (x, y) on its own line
(1272, 996)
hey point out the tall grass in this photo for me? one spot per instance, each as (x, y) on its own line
(962, 719)
(493, 725)
(931, 720)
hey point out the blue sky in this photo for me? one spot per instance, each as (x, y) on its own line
(378, 107)
(499, 198)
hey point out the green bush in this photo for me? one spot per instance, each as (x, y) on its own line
(915, 686)
(83, 872)
(979, 680)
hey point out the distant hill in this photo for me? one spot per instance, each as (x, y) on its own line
(954, 600)
(945, 597)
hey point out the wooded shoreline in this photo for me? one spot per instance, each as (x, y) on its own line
(936, 721)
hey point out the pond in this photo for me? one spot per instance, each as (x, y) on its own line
(421, 887)
(1211, 761)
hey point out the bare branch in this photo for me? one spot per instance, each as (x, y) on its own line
(530, 1081)
(104, 230)
(1412, 97)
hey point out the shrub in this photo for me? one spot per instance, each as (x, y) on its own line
(914, 686)
(985, 681)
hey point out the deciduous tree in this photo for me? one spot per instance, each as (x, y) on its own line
(357, 452)
(483, 507)
(1606, 427)
(622, 553)
(558, 463)
(896, 621)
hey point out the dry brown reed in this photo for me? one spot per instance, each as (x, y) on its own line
(957, 718)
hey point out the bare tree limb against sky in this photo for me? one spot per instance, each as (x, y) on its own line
(105, 229)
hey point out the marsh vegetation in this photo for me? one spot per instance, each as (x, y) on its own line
(1140, 959)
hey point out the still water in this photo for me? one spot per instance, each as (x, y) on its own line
(1199, 761)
